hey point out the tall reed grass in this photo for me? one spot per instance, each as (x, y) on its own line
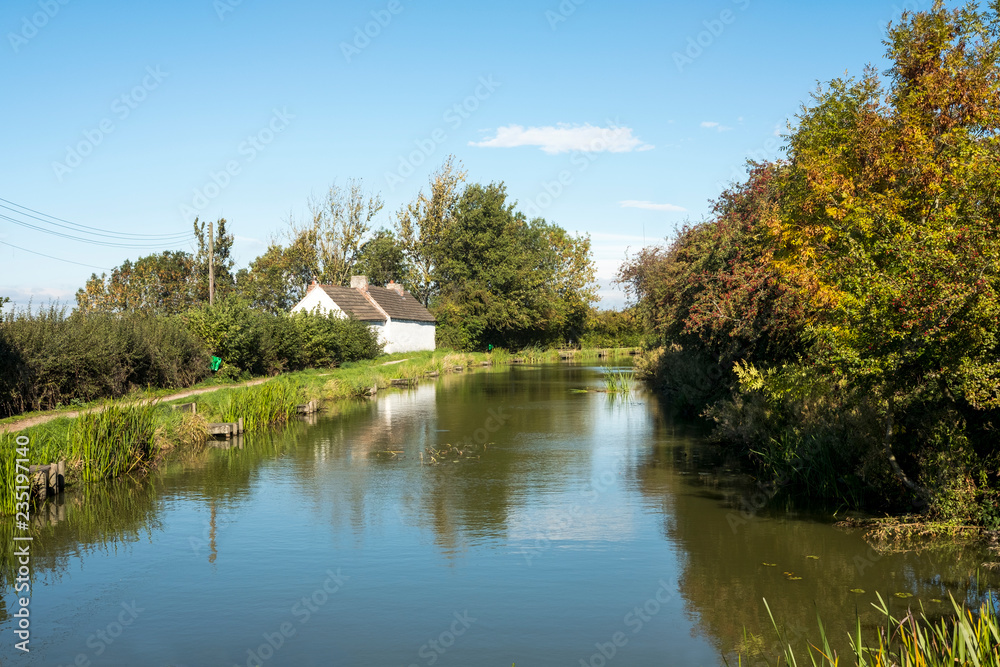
(618, 381)
(260, 406)
(113, 441)
(969, 638)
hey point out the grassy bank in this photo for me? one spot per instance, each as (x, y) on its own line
(128, 436)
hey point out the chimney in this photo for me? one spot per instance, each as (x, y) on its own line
(393, 285)
(312, 286)
(360, 282)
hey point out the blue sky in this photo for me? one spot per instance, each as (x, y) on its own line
(621, 120)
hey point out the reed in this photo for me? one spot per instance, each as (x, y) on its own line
(113, 441)
(966, 638)
(618, 381)
(260, 406)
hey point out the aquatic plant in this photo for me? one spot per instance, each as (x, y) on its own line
(617, 381)
(112, 441)
(273, 402)
(966, 638)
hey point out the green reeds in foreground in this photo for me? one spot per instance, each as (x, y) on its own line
(273, 402)
(8, 473)
(967, 638)
(617, 381)
(112, 441)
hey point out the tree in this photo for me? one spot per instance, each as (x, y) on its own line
(155, 283)
(506, 282)
(337, 228)
(423, 224)
(279, 278)
(222, 250)
(892, 210)
(382, 259)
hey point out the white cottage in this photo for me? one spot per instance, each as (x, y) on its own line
(402, 322)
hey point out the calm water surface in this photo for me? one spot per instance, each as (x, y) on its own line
(572, 529)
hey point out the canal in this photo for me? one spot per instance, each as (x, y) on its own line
(507, 516)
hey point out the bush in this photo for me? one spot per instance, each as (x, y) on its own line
(51, 358)
(258, 343)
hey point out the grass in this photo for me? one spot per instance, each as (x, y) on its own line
(967, 638)
(113, 441)
(618, 381)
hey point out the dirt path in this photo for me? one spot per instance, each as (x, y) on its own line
(28, 422)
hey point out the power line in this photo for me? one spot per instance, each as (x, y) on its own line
(87, 229)
(59, 259)
(115, 235)
(107, 244)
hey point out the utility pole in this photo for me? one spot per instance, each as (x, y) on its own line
(211, 263)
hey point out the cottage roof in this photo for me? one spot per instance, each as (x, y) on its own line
(399, 305)
(353, 302)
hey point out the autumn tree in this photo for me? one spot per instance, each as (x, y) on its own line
(155, 283)
(278, 279)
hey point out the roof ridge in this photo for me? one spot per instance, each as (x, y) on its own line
(371, 300)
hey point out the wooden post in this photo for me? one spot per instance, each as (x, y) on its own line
(239, 426)
(211, 263)
(54, 477)
(41, 484)
(62, 476)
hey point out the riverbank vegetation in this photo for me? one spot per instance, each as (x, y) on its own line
(837, 316)
(969, 637)
(52, 358)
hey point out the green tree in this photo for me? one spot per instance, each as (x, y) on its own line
(278, 279)
(423, 224)
(505, 281)
(337, 228)
(225, 280)
(382, 259)
(155, 283)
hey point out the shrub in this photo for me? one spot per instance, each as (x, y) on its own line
(52, 358)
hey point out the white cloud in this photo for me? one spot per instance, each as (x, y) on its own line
(712, 125)
(565, 138)
(650, 206)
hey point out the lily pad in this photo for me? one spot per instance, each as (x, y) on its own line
(794, 578)
(903, 595)
(935, 600)
(813, 557)
(858, 591)
(770, 564)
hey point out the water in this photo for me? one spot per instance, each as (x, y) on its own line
(575, 528)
